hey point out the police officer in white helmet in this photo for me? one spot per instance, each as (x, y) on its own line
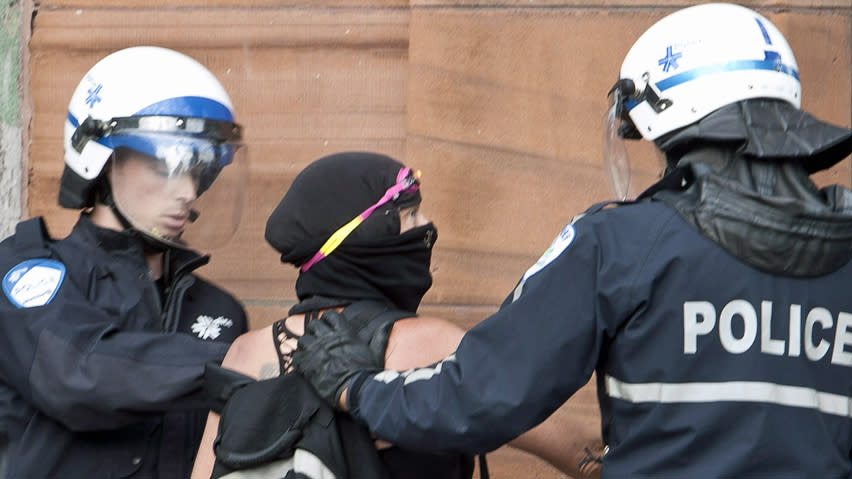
(105, 333)
(714, 308)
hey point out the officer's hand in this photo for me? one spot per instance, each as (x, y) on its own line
(330, 354)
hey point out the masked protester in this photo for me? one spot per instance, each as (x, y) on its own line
(351, 222)
(714, 308)
(105, 333)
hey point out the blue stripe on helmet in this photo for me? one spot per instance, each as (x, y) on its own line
(769, 64)
(189, 106)
(73, 120)
(763, 31)
(630, 103)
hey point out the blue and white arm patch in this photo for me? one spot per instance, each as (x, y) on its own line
(33, 282)
(562, 241)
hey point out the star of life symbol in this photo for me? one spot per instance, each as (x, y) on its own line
(93, 97)
(669, 61)
(210, 328)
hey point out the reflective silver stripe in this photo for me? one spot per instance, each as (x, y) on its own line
(751, 391)
(413, 375)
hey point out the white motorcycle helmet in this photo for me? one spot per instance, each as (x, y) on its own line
(163, 106)
(688, 65)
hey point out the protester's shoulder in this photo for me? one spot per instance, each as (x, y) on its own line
(252, 340)
(251, 351)
(416, 325)
(421, 340)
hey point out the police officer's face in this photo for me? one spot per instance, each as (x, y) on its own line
(151, 198)
(410, 218)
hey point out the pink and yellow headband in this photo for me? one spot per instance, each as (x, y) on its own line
(406, 182)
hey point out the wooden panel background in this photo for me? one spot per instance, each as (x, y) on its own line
(498, 102)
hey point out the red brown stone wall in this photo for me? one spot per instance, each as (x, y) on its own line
(499, 103)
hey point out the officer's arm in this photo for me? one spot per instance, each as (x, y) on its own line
(508, 373)
(562, 440)
(68, 359)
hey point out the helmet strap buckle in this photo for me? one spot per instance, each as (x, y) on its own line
(89, 129)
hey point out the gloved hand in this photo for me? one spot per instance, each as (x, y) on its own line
(330, 354)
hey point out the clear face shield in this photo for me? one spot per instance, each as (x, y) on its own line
(180, 181)
(617, 127)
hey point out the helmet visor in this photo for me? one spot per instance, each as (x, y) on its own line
(639, 163)
(218, 211)
(163, 182)
(616, 160)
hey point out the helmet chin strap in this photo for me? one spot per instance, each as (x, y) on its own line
(105, 197)
(151, 245)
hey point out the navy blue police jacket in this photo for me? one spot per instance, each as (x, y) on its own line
(706, 366)
(101, 374)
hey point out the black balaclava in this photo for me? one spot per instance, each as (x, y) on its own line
(375, 261)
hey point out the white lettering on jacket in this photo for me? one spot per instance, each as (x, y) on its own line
(808, 334)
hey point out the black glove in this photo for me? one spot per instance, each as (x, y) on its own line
(330, 354)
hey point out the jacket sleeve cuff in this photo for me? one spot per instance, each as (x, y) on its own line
(353, 391)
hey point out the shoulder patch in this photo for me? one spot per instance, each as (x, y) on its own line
(562, 241)
(33, 282)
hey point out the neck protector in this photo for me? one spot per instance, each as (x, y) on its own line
(767, 214)
(765, 129)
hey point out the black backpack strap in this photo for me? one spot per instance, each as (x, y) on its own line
(371, 315)
(374, 319)
(483, 467)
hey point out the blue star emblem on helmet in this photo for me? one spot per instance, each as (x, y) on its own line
(670, 60)
(93, 96)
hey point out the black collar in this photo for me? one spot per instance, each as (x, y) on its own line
(129, 245)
